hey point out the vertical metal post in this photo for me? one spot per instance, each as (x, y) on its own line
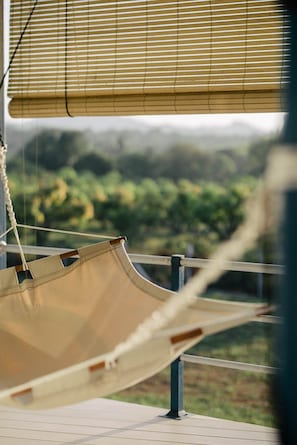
(287, 377)
(177, 367)
(2, 128)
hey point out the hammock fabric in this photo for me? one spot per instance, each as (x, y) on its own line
(58, 327)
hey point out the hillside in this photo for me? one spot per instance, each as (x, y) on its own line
(108, 132)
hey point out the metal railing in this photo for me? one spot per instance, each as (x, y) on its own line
(158, 260)
(177, 263)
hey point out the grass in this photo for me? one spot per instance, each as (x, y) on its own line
(210, 391)
(220, 392)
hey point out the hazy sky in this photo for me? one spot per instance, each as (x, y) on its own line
(265, 121)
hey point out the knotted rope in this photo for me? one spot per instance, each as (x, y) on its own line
(9, 205)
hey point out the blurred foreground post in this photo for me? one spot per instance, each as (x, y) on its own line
(287, 347)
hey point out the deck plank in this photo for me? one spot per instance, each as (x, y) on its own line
(109, 422)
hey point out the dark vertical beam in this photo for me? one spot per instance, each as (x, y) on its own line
(177, 367)
(176, 390)
(287, 377)
(2, 128)
(289, 135)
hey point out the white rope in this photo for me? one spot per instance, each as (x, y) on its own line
(66, 232)
(9, 205)
(6, 232)
(262, 210)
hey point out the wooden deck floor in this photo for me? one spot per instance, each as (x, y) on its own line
(109, 422)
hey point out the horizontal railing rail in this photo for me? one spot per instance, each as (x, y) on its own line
(158, 260)
(199, 360)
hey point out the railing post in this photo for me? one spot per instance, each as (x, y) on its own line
(177, 367)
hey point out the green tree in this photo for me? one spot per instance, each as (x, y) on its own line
(137, 165)
(153, 201)
(257, 156)
(181, 215)
(183, 161)
(97, 163)
(53, 149)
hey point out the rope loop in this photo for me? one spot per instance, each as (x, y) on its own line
(8, 203)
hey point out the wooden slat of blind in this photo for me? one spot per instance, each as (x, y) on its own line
(129, 6)
(152, 104)
(137, 57)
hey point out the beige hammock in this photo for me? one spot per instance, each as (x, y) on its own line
(59, 330)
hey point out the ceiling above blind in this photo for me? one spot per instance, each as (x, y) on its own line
(132, 57)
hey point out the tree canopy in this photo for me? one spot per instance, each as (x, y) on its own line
(164, 201)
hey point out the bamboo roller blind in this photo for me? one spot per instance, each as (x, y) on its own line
(129, 57)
